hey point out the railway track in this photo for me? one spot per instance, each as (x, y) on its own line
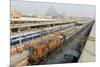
(58, 56)
(45, 38)
(12, 56)
(45, 62)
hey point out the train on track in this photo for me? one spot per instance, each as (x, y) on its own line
(40, 52)
(16, 40)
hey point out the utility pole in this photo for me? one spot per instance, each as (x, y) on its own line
(19, 35)
(41, 35)
(48, 33)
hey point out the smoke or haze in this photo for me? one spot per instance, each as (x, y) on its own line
(29, 7)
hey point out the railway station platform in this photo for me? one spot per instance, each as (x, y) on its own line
(88, 54)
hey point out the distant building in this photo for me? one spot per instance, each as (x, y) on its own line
(52, 12)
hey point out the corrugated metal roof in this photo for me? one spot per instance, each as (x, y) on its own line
(31, 19)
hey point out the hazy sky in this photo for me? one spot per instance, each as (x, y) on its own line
(31, 7)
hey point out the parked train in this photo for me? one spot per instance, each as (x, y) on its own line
(15, 40)
(40, 51)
